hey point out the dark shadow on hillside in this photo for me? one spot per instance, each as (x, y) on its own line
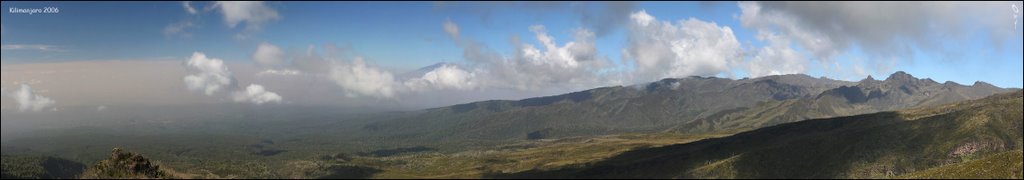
(501, 105)
(825, 148)
(62, 168)
(575, 97)
(350, 172)
(397, 151)
(53, 168)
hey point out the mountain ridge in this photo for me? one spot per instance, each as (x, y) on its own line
(685, 105)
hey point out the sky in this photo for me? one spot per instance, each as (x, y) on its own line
(372, 52)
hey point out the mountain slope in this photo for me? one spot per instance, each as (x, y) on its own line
(609, 110)
(876, 145)
(688, 105)
(1003, 165)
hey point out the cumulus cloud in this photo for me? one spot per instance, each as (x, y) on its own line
(776, 58)
(268, 55)
(256, 94)
(360, 79)
(882, 29)
(28, 101)
(688, 47)
(210, 75)
(253, 13)
(572, 65)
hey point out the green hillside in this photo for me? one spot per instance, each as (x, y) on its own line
(998, 166)
(880, 145)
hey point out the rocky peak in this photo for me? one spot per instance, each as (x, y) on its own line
(901, 76)
(867, 82)
(869, 79)
(123, 164)
(980, 84)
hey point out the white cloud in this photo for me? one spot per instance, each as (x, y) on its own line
(210, 75)
(268, 55)
(31, 47)
(686, 48)
(360, 79)
(188, 7)
(101, 108)
(776, 58)
(452, 29)
(572, 65)
(253, 13)
(642, 18)
(28, 101)
(256, 94)
(554, 56)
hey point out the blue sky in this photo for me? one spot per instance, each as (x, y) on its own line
(401, 36)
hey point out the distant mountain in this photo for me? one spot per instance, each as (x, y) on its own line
(979, 137)
(687, 105)
(899, 91)
(424, 70)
